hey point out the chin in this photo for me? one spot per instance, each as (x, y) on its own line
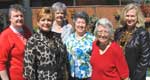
(20, 25)
(130, 25)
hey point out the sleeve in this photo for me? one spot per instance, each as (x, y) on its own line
(30, 60)
(121, 63)
(142, 63)
(5, 48)
(67, 31)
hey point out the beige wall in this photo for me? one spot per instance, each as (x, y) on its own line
(99, 11)
(107, 11)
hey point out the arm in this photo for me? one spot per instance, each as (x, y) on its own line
(120, 62)
(29, 60)
(5, 47)
(125, 79)
(144, 49)
(4, 75)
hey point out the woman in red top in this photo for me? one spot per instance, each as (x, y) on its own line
(12, 44)
(107, 59)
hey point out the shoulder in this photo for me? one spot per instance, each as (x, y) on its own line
(94, 42)
(90, 35)
(70, 38)
(35, 37)
(141, 30)
(68, 27)
(141, 33)
(120, 29)
(116, 49)
(115, 46)
(6, 33)
(5, 36)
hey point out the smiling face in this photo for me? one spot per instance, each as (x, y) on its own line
(103, 35)
(45, 23)
(59, 15)
(131, 18)
(80, 26)
(16, 18)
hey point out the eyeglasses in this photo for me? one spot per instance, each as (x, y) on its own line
(102, 32)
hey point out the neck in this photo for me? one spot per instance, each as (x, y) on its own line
(17, 28)
(79, 36)
(58, 23)
(103, 46)
(130, 29)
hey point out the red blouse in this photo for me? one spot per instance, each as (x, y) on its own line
(108, 66)
(12, 52)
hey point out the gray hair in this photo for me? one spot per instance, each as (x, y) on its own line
(104, 22)
(81, 14)
(16, 7)
(59, 6)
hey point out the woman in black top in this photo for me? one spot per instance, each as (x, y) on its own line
(45, 54)
(134, 39)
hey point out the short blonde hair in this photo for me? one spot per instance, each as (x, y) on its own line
(139, 14)
(45, 12)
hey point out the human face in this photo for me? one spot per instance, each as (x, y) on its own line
(131, 18)
(59, 15)
(45, 23)
(80, 26)
(103, 35)
(16, 18)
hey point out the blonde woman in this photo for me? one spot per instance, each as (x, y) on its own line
(134, 40)
(45, 54)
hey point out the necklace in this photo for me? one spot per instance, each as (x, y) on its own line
(125, 38)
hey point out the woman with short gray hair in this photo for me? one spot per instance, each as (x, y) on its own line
(107, 59)
(60, 23)
(105, 23)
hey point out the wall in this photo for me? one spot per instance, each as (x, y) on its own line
(107, 11)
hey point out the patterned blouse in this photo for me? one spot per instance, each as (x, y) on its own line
(79, 52)
(45, 57)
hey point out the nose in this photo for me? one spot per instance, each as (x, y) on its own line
(20, 17)
(103, 33)
(80, 24)
(46, 22)
(129, 17)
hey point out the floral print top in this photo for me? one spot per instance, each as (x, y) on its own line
(79, 52)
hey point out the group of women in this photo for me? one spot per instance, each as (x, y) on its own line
(59, 51)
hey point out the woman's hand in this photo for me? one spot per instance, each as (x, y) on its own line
(4, 75)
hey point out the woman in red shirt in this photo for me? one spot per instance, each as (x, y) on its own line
(107, 59)
(12, 44)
